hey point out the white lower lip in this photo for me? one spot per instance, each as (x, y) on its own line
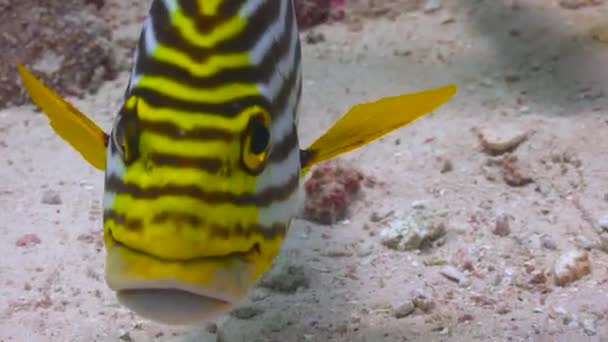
(173, 306)
(167, 300)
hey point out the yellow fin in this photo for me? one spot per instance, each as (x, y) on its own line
(68, 122)
(368, 121)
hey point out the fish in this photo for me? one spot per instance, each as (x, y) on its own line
(203, 164)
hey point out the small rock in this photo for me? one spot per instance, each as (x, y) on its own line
(211, 328)
(495, 142)
(513, 173)
(401, 53)
(561, 313)
(576, 4)
(503, 310)
(603, 223)
(364, 249)
(432, 6)
(258, 294)
(404, 309)
(446, 166)
(27, 240)
(588, 325)
(584, 242)
(571, 266)
(502, 227)
(245, 312)
(435, 262)
(419, 204)
(548, 243)
(483, 301)
(465, 318)
(376, 217)
(285, 277)
(337, 253)
(447, 19)
(314, 37)
(51, 197)
(538, 278)
(416, 231)
(126, 337)
(423, 301)
(603, 242)
(454, 274)
(600, 32)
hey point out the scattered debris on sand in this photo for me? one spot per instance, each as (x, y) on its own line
(51, 197)
(499, 141)
(404, 309)
(414, 230)
(27, 240)
(285, 276)
(64, 43)
(502, 227)
(571, 266)
(576, 4)
(514, 172)
(310, 13)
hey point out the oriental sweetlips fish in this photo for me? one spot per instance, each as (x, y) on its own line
(203, 167)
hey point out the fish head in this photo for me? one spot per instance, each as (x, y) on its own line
(195, 210)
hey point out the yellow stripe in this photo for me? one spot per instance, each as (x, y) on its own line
(213, 65)
(239, 183)
(222, 32)
(209, 7)
(188, 120)
(168, 241)
(217, 95)
(131, 103)
(153, 142)
(200, 272)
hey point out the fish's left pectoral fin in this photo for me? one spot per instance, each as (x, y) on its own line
(67, 121)
(369, 121)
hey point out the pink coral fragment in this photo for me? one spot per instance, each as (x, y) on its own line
(329, 191)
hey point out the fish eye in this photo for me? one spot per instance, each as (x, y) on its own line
(257, 142)
(125, 136)
(118, 136)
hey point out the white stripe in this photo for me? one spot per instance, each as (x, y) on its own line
(283, 125)
(281, 211)
(150, 41)
(114, 167)
(270, 36)
(114, 164)
(279, 173)
(273, 87)
(171, 5)
(251, 7)
(108, 200)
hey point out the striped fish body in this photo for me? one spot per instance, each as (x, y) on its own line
(203, 160)
(203, 163)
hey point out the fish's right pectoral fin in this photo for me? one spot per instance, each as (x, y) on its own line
(369, 121)
(67, 121)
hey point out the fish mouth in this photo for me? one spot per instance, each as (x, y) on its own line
(178, 292)
(173, 306)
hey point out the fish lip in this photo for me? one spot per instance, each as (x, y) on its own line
(173, 306)
(167, 284)
(142, 288)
